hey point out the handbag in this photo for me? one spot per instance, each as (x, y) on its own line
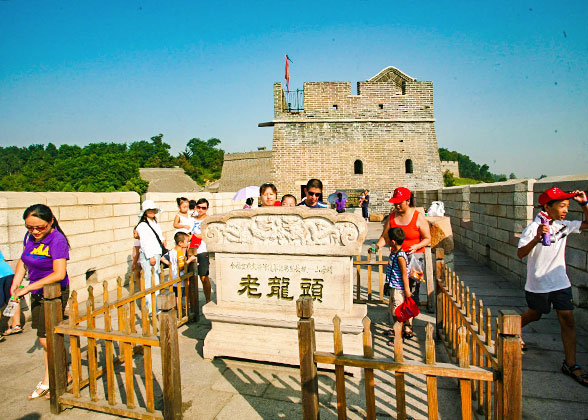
(163, 249)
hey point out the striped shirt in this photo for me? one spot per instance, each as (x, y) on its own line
(393, 273)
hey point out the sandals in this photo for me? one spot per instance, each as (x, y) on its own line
(17, 329)
(569, 371)
(39, 391)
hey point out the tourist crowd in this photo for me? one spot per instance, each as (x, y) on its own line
(46, 251)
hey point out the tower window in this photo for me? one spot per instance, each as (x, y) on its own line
(381, 106)
(358, 167)
(408, 166)
(335, 107)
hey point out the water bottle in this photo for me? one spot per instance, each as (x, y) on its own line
(546, 237)
(10, 309)
(373, 250)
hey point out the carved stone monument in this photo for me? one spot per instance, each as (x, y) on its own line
(267, 258)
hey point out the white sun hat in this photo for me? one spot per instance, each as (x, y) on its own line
(149, 205)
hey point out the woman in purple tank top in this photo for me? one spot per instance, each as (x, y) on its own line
(45, 254)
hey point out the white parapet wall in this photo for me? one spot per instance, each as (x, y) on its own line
(487, 220)
(99, 227)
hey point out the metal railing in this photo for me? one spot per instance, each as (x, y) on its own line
(294, 100)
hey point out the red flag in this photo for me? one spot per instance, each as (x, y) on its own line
(287, 76)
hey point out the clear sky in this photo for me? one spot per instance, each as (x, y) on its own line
(510, 77)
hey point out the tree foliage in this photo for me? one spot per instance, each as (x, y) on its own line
(102, 167)
(202, 160)
(448, 179)
(469, 168)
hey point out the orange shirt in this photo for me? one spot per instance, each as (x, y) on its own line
(411, 232)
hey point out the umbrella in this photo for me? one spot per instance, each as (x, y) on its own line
(245, 193)
(333, 197)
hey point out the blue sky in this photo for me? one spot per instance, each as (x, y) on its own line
(509, 78)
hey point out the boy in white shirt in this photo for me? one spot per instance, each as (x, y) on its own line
(547, 281)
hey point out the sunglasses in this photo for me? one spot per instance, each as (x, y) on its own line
(38, 228)
(201, 207)
(315, 194)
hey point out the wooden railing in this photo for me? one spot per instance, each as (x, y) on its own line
(458, 308)
(377, 264)
(309, 358)
(134, 333)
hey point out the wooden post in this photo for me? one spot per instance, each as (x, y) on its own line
(306, 348)
(56, 359)
(339, 370)
(432, 400)
(170, 355)
(510, 364)
(368, 352)
(192, 292)
(439, 306)
(398, 376)
(430, 280)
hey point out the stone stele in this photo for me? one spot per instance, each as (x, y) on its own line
(266, 259)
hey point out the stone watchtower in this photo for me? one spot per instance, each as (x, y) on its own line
(379, 139)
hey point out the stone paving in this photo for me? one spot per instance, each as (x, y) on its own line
(238, 389)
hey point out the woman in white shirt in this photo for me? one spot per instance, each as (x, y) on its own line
(151, 246)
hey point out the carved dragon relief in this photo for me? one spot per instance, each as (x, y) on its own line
(281, 228)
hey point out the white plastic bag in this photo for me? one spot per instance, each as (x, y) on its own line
(415, 271)
(437, 209)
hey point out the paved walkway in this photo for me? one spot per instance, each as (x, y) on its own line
(238, 389)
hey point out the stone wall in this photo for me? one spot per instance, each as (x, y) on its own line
(244, 169)
(388, 127)
(99, 227)
(451, 166)
(487, 220)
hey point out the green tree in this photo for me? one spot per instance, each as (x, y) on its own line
(448, 179)
(202, 160)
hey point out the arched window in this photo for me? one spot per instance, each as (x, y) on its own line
(408, 166)
(358, 167)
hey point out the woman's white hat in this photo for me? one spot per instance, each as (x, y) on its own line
(149, 205)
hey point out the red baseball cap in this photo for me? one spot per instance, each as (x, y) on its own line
(554, 194)
(400, 194)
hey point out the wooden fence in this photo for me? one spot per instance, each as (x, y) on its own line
(377, 264)
(458, 308)
(133, 334)
(489, 369)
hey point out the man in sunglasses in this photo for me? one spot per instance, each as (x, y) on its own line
(314, 191)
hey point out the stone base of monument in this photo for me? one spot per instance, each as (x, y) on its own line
(267, 258)
(270, 336)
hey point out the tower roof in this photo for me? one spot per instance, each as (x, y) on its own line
(391, 74)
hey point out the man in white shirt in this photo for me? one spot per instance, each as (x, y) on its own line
(547, 281)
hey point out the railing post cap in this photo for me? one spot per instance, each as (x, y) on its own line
(304, 307)
(509, 322)
(166, 301)
(52, 291)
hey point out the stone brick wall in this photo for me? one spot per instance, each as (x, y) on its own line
(244, 169)
(388, 126)
(487, 220)
(99, 227)
(451, 166)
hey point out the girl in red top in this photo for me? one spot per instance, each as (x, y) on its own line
(418, 236)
